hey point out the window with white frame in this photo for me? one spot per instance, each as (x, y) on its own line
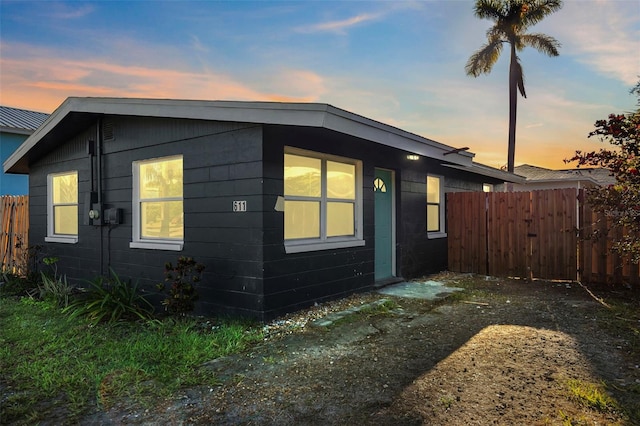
(62, 207)
(323, 201)
(157, 210)
(435, 206)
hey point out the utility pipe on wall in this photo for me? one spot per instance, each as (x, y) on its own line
(98, 207)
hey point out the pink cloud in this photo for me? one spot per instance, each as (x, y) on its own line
(339, 26)
(41, 82)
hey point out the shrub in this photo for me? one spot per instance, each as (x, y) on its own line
(52, 286)
(24, 279)
(15, 285)
(619, 202)
(181, 279)
(111, 299)
(56, 289)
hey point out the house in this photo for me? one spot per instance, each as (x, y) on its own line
(538, 178)
(286, 204)
(15, 126)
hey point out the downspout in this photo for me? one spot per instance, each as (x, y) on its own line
(98, 221)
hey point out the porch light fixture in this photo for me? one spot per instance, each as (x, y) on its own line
(413, 157)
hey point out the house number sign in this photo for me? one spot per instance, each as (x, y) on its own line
(240, 206)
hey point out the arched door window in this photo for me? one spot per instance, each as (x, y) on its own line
(379, 185)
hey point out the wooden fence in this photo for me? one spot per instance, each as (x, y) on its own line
(14, 216)
(530, 235)
(598, 263)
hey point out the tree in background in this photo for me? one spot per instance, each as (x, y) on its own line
(620, 202)
(512, 18)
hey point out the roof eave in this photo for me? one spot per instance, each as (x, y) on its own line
(571, 179)
(294, 114)
(15, 130)
(16, 163)
(491, 172)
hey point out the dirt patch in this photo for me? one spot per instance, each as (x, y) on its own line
(502, 352)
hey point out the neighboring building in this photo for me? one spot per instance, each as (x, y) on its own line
(15, 126)
(541, 178)
(286, 204)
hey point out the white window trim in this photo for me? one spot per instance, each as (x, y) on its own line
(299, 247)
(147, 243)
(51, 237)
(59, 239)
(441, 233)
(329, 243)
(157, 245)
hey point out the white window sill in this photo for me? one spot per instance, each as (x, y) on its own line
(60, 239)
(157, 245)
(301, 247)
(435, 235)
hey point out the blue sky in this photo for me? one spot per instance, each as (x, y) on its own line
(398, 62)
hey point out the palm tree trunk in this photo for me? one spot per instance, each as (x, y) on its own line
(513, 107)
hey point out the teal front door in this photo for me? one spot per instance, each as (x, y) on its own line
(384, 224)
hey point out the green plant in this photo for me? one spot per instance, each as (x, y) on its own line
(62, 370)
(111, 300)
(181, 279)
(15, 285)
(447, 401)
(269, 359)
(568, 420)
(29, 263)
(591, 395)
(619, 202)
(52, 286)
(56, 288)
(381, 307)
(53, 263)
(23, 278)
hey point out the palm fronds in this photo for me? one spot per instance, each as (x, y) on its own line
(542, 43)
(482, 61)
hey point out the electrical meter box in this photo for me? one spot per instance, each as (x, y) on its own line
(113, 216)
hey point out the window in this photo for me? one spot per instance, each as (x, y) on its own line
(158, 204)
(487, 187)
(322, 207)
(62, 207)
(435, 207)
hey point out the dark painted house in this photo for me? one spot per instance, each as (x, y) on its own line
(286, 204)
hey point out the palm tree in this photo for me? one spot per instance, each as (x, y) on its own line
(511, 20)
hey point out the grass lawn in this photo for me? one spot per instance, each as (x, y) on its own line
(50, 363)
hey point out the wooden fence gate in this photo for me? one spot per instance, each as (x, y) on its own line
(14, 217)
(530, 235)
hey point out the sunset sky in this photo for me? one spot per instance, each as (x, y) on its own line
(398, 62)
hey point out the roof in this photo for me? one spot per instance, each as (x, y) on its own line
(21, 121)
(598, 176)
(76, 112)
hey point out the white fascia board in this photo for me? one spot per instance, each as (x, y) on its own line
(243, 112)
